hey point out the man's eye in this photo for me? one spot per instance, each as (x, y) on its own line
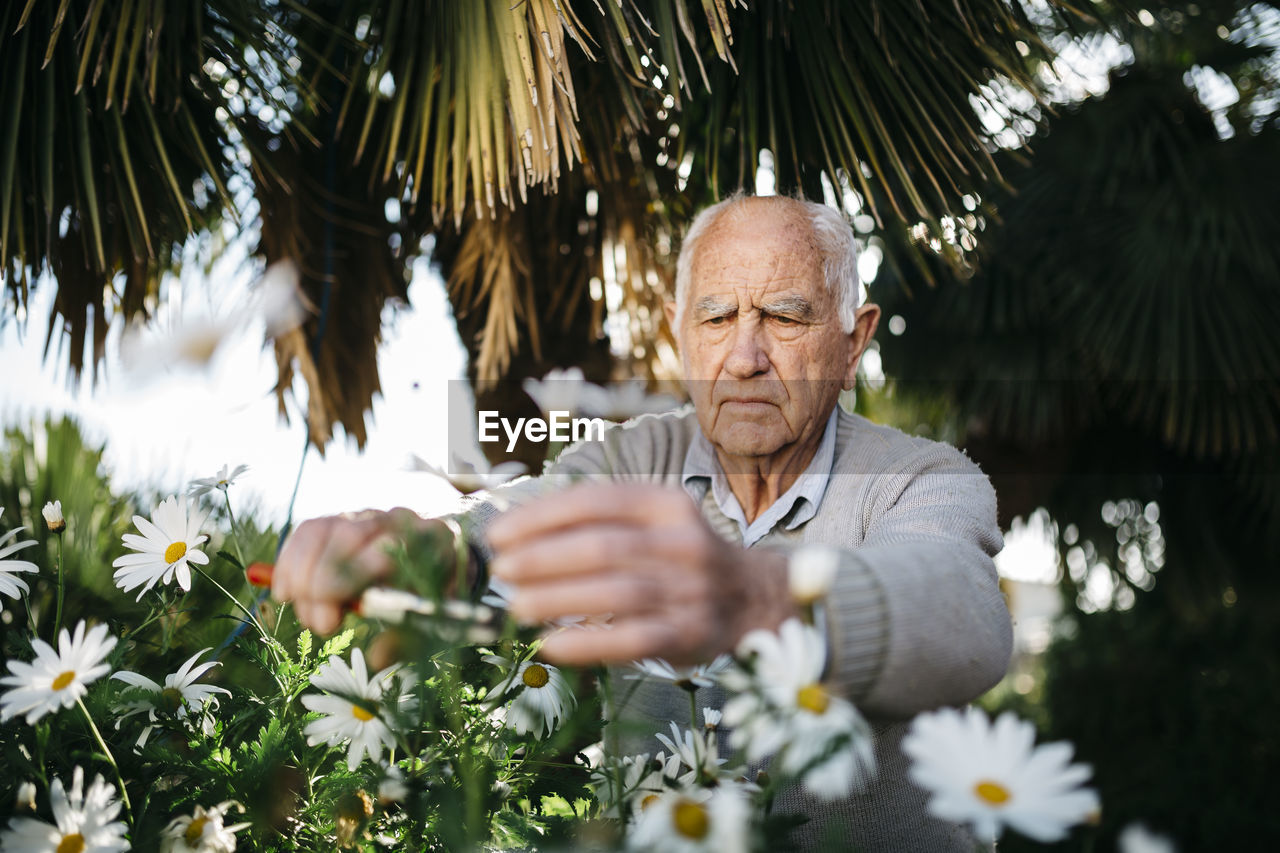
(716, 321)
(786, 321)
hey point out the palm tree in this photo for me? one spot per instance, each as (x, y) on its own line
(1113, 359)
(538, 146)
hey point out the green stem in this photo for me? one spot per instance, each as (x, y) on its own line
(235, 534)
(693, 730)
(111, 759)
(155, 615)
(461, 559)
(613, 770)
(57, 620)
(280, 611)
(234, 600)
(31, 617)
(472, 793)
(168, 621)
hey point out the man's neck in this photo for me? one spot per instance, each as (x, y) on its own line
(758, 481)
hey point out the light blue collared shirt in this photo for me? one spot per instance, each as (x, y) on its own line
(796, 506)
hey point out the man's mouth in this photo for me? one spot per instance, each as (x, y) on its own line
(747, 401)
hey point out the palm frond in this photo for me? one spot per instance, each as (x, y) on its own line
(877, 92)
(1131, 281)
(106, 165)
(476, 104)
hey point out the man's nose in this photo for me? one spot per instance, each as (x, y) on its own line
(748, 357)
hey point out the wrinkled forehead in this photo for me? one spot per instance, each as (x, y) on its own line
(757, 244)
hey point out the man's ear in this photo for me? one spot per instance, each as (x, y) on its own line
(866, 319)
(669, 308)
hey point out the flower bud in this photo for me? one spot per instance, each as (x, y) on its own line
(352, 811)
(810, 573)
(26, 797)
(52, 513)
(259, 574)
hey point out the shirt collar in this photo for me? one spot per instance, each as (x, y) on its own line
(796, 506)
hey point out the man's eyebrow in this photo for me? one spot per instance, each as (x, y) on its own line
(715, 307)
(790, 306)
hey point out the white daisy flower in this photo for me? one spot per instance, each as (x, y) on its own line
(83, 821)
(621, 401)
(219, 481)
(53, 519)
(393, 788)
(10, 584)
(685, 677)
(276, 300)
(165, 549)
(634, 781)
(710, 718)
(696, 751)
(1136, 838)
(810, 572)
(993, 776)
(561, 390)
(179, 696)
(26, 798)
(783, 707)
(543, 698)
(56, 679)
(202, 832)
(689, 820)
(469, 474)
(356, 706)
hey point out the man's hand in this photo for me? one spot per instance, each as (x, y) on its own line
(327, 562)
(645, 555)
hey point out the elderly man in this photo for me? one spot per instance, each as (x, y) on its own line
(687, 525)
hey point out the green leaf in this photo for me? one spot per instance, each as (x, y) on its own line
(337, 645)
(304, 645)
(231, 558)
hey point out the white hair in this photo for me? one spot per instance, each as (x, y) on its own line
(831, 233)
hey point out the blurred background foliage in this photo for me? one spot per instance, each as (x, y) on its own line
(1108, 359)
(50, 460)
(1081, 283)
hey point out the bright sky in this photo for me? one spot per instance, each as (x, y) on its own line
(163, 427)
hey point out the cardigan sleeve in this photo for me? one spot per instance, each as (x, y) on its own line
(916, 617)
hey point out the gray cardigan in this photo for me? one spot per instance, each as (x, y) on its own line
(916, 618)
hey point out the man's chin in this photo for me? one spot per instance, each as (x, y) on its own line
(749, 441)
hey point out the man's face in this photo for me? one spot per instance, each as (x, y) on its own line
(764, 355)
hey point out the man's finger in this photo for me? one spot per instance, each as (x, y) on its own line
(298, 557)
(571, 552)
(621, 643)
(629, 593)
(587, 504)
(321, 617)
(346, 570)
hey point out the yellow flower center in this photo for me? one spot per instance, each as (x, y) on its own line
(648, 801)
(73, 843)
(536, 675)
(61, 682)
(171, 699)
(175, 552)
(992, 793)
(813, 698)
(691, 820)
(361, 714)
(194, 831)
